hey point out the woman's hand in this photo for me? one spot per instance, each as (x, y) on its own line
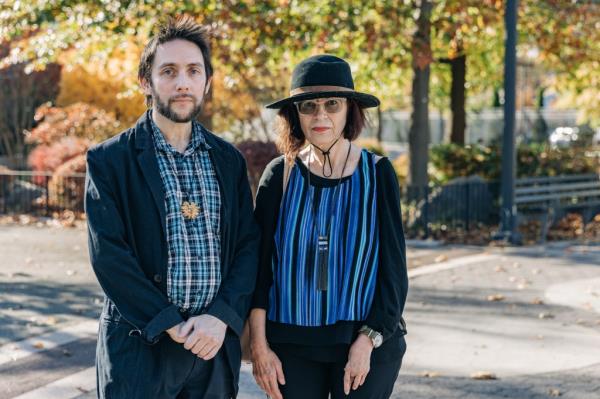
(267, 370)
(359, 363)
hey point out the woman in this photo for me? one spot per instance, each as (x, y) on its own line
(326, 317)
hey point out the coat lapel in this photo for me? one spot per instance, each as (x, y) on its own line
(146, 158)
(221, 163)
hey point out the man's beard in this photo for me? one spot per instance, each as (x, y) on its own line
(167, 111)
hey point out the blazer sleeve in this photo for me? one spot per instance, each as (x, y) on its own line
(232, 303)
(136, 298)
(392, 279)
(266, 212)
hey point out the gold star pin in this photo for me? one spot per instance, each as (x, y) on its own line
(190, 210)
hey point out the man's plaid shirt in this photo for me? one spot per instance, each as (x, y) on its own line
(194, 274)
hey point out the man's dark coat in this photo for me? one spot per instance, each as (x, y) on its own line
(125, 206)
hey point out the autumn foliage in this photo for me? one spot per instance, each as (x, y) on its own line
(63, 136)
(65, 188)
(77, 120)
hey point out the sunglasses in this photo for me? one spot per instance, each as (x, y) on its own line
(311, 107)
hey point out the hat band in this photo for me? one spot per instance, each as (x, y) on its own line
(315, 89)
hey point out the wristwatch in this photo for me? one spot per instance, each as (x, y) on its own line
(375, 336)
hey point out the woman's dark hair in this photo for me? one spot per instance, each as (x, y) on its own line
(185, 28)
(290, 138)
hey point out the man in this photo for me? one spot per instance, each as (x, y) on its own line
(171, 236)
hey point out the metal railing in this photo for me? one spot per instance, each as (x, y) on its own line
(458, 205)
(40, 193)
(462, 205)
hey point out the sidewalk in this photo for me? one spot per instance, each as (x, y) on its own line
(529, 316)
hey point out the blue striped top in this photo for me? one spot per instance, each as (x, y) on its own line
(353, 249)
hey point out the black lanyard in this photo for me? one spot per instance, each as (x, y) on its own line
(323, 240)
(327, 157)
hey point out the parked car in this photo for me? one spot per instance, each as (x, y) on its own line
(564, 136)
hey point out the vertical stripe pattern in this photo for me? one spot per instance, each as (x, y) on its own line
(353, 249)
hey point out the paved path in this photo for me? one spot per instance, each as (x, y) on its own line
(540, 337)
(528, 316)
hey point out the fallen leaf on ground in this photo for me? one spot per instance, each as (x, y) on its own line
(68, 218)
(483, 375)
(430, 374)
(25, 219)
(38, 345)
(495, 297)
(441, 258)
(544, 315)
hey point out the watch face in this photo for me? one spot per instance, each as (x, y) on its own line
(378, 340)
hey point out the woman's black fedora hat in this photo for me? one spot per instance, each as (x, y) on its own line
(322, 76)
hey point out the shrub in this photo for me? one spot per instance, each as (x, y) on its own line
(450, 161)
(77, 120)
(65, 191)
(257, 154)
(66, 133)
(48, 157)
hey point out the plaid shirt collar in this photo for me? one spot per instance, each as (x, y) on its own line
(197, 142)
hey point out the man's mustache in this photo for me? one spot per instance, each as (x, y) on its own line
(181, 96)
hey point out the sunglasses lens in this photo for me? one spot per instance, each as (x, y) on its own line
(310, 107)
(333, 105)
(307, 107)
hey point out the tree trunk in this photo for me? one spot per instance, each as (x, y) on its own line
(457, 100)
(419, 129)
(20, 95)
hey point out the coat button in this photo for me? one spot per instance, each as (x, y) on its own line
(157, 278)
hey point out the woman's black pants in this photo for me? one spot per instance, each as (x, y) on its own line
(307, 377)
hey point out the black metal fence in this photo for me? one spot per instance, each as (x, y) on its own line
(40, 194)
(463, 204)
(425, 210)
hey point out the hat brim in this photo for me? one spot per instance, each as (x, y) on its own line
(364, 100)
